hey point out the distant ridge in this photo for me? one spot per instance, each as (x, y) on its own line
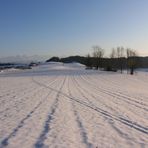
(23, 59)
(142, 61)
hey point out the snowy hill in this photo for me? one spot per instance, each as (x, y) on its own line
(64, 105)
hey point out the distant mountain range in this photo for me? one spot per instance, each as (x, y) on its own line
(23, 59)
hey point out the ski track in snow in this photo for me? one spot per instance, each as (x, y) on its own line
(65, 106)
(110, 117)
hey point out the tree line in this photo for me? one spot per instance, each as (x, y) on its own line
(119, 59)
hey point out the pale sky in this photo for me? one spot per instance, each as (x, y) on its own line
(72, 27)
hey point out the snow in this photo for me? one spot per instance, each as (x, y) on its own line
(60, 105)
(9, 70)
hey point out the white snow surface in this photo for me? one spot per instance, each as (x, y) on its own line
(58, 105)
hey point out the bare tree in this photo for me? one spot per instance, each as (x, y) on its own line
(113, 54)
(88, 62)
(120, 56)
(127, 55)
(98, 54)
(131, 60)
(112, 64)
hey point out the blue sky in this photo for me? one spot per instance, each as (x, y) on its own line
(70, 27)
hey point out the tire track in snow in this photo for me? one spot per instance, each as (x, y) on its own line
(110, 116)
(5, 141)
(118, 96)
(103, 110)
(13, 103)
(17, 102)
(113, 83)
(83, 94)
(80, 124)
(104, 113)
(40, 142)
(114, 101)
(110, 121)
(98, 100)
(15, 87)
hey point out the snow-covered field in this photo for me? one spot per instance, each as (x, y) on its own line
(66, 106)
